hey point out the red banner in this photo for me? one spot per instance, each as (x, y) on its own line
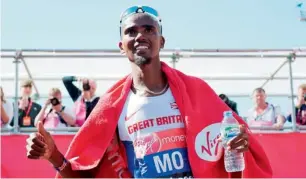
(287, 154)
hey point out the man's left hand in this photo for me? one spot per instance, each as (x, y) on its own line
(241, 142)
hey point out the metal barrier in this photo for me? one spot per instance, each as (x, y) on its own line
(174, 54)
(74, 130)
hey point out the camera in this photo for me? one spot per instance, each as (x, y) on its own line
(231, 104)
(54, 101)
(86, 86)
(224, 98)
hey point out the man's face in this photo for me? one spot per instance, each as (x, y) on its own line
(55, 95)
(141, 40)
(301, 93)
(259, 97)
(26, 91)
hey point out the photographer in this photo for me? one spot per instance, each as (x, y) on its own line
(54, 114)
(85, 100)
(300, 109)
(27, 108)
(229, 103)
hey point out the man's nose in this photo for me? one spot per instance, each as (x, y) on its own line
(140, 36)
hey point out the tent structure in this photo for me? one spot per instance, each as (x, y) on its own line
(235, 72)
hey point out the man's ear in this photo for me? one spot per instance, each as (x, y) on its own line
(162, 42)
(121, 48)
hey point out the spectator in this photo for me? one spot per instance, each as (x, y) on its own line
(85, 100)
(263, 113)
(6, 111)
(229, 103)
(27, 109)
(55, 115)
(300, 109)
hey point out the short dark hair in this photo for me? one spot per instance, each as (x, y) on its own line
(259, 90)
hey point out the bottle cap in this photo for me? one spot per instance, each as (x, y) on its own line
(227, 113)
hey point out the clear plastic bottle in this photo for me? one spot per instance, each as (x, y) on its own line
(233, 161)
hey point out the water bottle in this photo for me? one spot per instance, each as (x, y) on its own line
(233, 161)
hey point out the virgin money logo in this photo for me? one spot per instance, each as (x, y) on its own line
(147, 144)
(206, 145)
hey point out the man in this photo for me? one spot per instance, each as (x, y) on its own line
(300, 109)
(28, 109)
(151, 123)
(55, 115)
(263, 113)
(84, 100)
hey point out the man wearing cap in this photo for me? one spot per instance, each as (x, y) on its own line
(28, 109)
(151, 123)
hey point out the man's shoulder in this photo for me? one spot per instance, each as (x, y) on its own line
(36, 105)
(190, 78)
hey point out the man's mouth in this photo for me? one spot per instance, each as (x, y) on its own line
(142, 47)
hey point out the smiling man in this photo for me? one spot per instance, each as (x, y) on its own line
(155, 123)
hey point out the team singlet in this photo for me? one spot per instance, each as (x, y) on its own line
(152, 131)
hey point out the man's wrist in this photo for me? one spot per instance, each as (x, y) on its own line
(57, 158)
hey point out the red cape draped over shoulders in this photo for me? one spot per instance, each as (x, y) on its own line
(97, 141)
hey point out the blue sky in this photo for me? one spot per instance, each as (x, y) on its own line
(88, 24)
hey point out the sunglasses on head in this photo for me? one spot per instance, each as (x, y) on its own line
(139, 9)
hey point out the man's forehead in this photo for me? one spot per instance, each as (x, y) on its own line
(139, 20)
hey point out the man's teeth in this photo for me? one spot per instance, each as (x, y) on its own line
(142, 47)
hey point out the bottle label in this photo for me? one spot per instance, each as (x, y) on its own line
(231, 132)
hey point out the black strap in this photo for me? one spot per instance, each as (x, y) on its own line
(60, 117)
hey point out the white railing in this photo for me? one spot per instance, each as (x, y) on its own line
(174, 55)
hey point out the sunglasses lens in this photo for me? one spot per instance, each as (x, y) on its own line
(129, 11)
(135, 9)
(150, 10)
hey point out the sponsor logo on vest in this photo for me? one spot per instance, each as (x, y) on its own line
(149, 143)
(206, 145)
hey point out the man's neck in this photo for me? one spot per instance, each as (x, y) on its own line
(262, 106)
(149, 76)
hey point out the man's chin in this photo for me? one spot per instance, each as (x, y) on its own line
(141, 61)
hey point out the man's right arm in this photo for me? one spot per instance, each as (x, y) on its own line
(73, 91)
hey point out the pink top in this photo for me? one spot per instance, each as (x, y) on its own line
(80, 111)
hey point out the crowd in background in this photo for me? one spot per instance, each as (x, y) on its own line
(53, 113)
(265, 114)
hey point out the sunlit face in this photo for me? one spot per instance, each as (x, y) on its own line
(301, 93)
(26, 91)
(141, 38)
(259, 97)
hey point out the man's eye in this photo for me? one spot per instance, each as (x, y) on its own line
(149, 30)
(131, 31)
